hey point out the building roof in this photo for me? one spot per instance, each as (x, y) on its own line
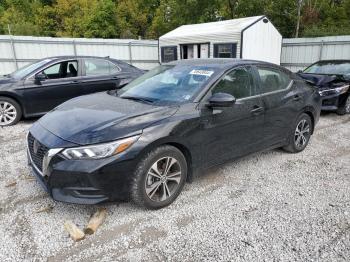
(233, 25)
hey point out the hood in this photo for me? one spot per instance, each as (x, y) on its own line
(323, 81)
(6, 80)
(102, 117)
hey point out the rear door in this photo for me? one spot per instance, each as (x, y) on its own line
(100, 75)
(282, 102)
(61, 84)
(233, 131)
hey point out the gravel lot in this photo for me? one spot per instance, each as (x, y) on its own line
(267, 206)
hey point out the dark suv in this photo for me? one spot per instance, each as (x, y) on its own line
(39, 87)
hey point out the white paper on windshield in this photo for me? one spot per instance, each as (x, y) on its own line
(201, 72)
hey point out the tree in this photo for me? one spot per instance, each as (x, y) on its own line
(17, 14)
(86, 18)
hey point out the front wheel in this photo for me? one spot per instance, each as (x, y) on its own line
(159, 178)
(345, 108)
(300, 135)
(10, 111)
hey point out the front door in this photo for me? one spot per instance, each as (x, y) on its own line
(62, 83)
(234, 131)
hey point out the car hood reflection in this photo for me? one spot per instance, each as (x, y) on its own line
(102, 117)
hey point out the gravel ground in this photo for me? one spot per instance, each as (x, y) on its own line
(267, 206)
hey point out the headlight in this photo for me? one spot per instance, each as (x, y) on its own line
(101, 150)
(339, 90)
(342, 89)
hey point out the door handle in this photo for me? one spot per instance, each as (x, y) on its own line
(75, 82)
(296, 98)
(257, 110)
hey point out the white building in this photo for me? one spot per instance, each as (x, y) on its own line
(248, 38)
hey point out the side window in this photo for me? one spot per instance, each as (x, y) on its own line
(239, 83)
(168, 53)
(273, 80)
(225, 50)
(62, 70)
(99, 67)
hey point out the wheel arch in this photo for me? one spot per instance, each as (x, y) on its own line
(178, 145)
(311, 113)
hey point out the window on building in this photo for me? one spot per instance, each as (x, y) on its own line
(227, 50)
(169, 53)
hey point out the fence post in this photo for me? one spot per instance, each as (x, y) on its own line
(14, 51)
(130, 54)
(74, 48)
(321, 50)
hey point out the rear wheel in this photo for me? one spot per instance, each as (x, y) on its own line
(345, 108)
(159, 178)
(10, 111)
(300, 135)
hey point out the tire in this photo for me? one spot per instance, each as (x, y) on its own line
(152, 187)
(10, 111)
(345, 108)
(300, 135)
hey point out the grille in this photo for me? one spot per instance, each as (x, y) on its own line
(38, 156)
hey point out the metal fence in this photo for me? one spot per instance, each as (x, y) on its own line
(299, 53)
(17, 51)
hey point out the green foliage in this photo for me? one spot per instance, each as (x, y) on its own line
(153, 18)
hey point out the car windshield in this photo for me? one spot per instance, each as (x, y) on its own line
(329, 68)
(169, 83)
(22, 72)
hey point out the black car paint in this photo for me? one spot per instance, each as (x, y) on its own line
(206, 136)
(38, 97)
(326, 83)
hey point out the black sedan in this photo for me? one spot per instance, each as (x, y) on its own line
(39, 87)
(332, 77)
(144, 141)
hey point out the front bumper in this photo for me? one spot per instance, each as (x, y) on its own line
(84, 181)
(331, 102)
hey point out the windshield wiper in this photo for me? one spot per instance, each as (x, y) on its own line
(138, 98)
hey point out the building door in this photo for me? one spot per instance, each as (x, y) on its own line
(192, 51)
(204, 50)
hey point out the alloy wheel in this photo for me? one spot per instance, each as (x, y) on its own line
(302, 134)
(163, 179)
(8, 113)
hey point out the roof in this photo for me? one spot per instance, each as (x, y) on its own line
(74, 56)
(217, 62)
(233, 25)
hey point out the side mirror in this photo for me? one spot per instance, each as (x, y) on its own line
(40, 77)
(221, 100)
(300, 71)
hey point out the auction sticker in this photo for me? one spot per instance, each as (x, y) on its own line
(201, 72)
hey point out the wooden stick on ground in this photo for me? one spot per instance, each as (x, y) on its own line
(45, 209)
(95, 221)
(11, 184)
(75, 233)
